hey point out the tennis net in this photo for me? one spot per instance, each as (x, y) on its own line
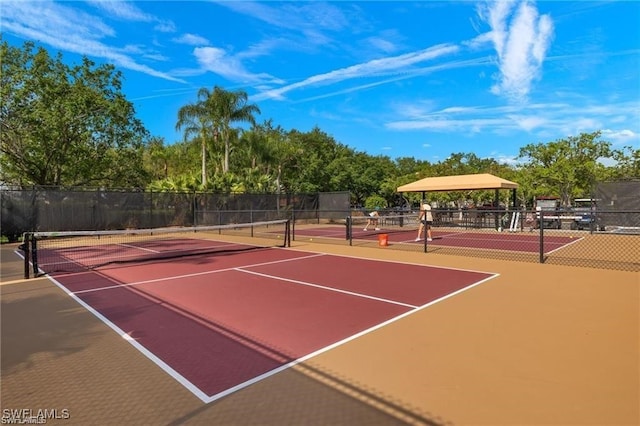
(363, 226)
(76, 251)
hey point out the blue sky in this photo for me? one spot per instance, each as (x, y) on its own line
(397, 78)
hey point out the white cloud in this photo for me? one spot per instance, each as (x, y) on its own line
(69, 29)
(123, 10)
(299, 16)
(620, 136)
(192, 40)
(261, 48)
(521, 38)
(311, 26)
(127, 11)
(302, 26)
(381, 44)
(30, 19)
(217, 60)
(386, 41)
(444, 124)
(540, 121)
(165, 27)
(376, 67)
(619, 119)
(528, 122)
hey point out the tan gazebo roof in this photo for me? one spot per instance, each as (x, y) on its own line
(458, 183)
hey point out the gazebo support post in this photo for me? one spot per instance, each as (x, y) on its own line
(424, 200)
(496, 207)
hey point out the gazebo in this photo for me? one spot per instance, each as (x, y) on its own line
(482, 181)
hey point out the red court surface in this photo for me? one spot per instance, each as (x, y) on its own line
(220, 322)
(518, 241)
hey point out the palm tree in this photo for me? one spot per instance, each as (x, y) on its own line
(228, 107)
(197, 120)
(158, 157)
(212, 115)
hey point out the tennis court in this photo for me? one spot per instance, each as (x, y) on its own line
(217, 323)
(222, 329)
(523, 242)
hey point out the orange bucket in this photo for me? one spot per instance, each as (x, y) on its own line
(383, 240)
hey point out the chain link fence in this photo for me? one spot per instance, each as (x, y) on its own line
(606, 234)
(608, 240)
(51, 210)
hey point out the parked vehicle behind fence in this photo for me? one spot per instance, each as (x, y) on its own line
(584, 212)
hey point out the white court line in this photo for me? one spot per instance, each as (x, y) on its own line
(153, 358)
(564, 245)
(450, 268)
(325, 235)
(508, 240)
(517, 239)
(452, 234)
(341, 342)
(106, 259)
(195, 274)
(336, 290)
(210, 398)
(139, 248)
(485, 237)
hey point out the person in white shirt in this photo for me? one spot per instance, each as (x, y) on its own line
(372, 220)
(426, 219)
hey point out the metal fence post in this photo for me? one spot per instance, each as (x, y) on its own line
(293, 224)
(25, 249)
(541, 226)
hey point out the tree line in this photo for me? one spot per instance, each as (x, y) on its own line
(71, 126)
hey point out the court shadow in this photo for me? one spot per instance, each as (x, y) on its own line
(308, 395)
(41, 324)
(39, 319)
(301, 394)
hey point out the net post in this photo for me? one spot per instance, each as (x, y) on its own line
(287, 233)
(541, 226)
(592, 216)
(194, 208)
(34, 254)
(425, 236)
(25, 248)
(151, 221)
(347, 227)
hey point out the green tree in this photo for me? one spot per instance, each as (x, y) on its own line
(316, 150)
(196, 120)
(566, 167)
(210, 118)
(66, 126)
(228, 107)
(156, 159)
(528, 188)
(359, 173)
(409, 165)
(273, 152)
(627, 164)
